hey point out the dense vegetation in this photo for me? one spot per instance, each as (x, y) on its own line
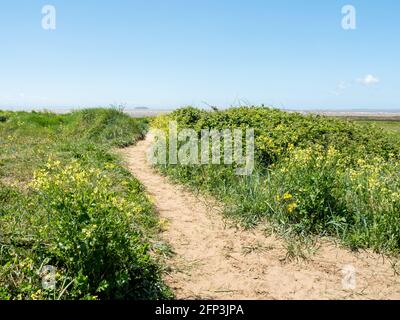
(66, 201)
(314, 175)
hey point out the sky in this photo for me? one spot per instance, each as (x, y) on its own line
(290, 54)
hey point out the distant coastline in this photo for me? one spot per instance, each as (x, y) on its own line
(136, 112)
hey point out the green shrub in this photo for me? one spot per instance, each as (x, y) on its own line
(67, 202)
(304, 179)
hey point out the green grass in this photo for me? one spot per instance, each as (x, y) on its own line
(391, 126)
(314, 176)
(66, 201)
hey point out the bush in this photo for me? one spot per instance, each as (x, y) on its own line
(76, 209)
(314, 175)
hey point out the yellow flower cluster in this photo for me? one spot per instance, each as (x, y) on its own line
(300, 157)
(161, 122)
(119, 203)
(73, 174)
(288, 199)
(291, 207)
(369, 174)
(38, 295)
(265, 142)
(287, 196)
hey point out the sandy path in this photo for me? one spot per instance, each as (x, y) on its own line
(216, 261)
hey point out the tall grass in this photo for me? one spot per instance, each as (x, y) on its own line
(66, 201)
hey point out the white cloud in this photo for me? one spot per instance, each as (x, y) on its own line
(340, 87)
(368, 80)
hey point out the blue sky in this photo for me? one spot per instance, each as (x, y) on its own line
(170, 53)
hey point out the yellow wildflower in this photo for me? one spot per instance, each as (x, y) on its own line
(36, 295)
(292, 207)
(287, 196)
